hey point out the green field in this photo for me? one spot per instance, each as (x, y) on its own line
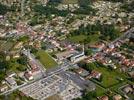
(100, 91)
(46, 59)
(77, 39)
(85, 38)
(6, 45)
(70, 1)
(15, 66)
(110, 77)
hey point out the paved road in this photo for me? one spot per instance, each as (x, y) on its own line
(22, 7)
(60, 68)
(77, 79)
(32, 57)
(57, 70)
(125, 35)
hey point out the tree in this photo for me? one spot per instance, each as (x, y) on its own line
(33, 50)
(24, 38)
(116, 0)
(2, 56)
(37, 57)
(22, 60)
(128, 7)
(43, 46)
(88, 52)
(3, 9)
(22, 68)
(34, 21)
(2, 75)
(90, 66)
(89, 95)
(48, 10)
(82, 64)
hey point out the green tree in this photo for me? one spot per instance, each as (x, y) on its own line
(22, 60)
(88, 52)
(43, 46)
(3, 9)
(33, 50)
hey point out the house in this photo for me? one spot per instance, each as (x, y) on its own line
(64, 55)
(3, 88)
(34, 67)
(117, 97)
(76, 57)
(18, 45)
(15, 53)
(95, 74)
(131, 74)
(37, 44)
(112, 66)
(97, 47)
(89, 59)
(103, 98)
(11, 74)
(11, 81)
(128, 89)
(28, 75)
(82, 72)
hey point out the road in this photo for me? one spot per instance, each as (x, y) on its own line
(125, 35)
(22, 7)
(77, 79)
(32, 57)
(59, 69)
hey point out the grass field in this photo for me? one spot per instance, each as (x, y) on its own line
(110, 77)
(14, 66)
(6, 45)
(70, 1)
(81, 38)
(77, 39)
(99, 91)
(46, 59)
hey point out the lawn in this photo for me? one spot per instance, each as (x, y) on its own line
(14, 66)
(6, 45)
(46, 59)
(100, 91)
(85, 38)
(70, 1)
(109, 77)
(77, 39)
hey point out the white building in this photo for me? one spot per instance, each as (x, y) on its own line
(3, 88)
(11, 82)
(77, 57)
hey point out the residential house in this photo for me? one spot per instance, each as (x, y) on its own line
(103, 98)
(82, 72)
(11, 81)
(128, 89)
(28, 75)
(117, 97)
(77, 57)
(95, 74)
(3, 88)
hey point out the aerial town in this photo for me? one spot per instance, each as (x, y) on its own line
(66, 49)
